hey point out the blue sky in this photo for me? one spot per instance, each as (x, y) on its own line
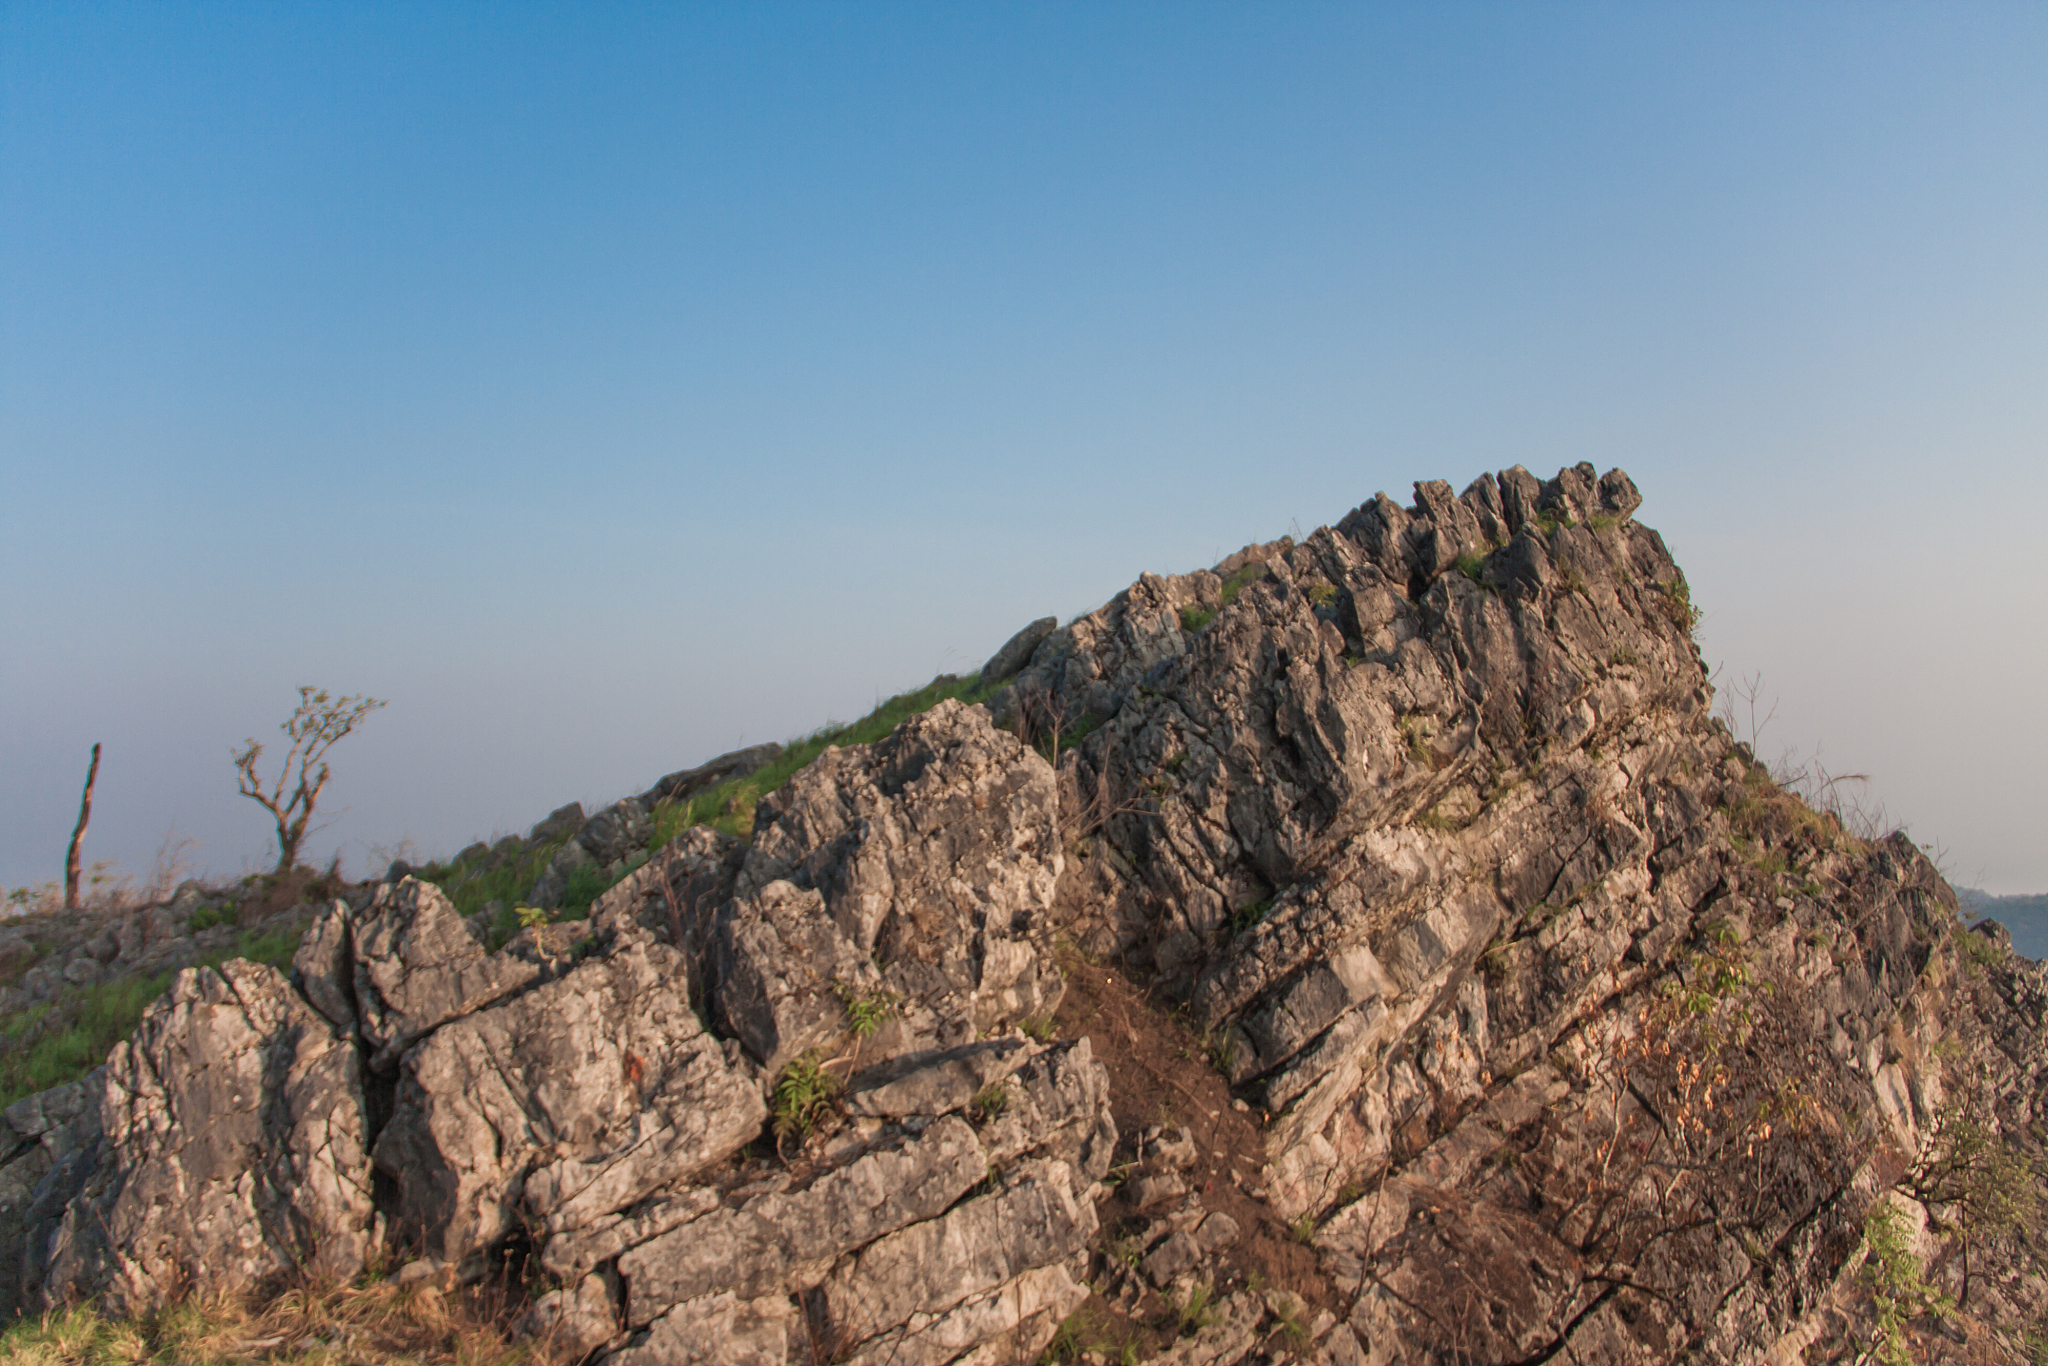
(607, 386)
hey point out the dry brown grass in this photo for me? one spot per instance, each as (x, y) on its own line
(375, 1323)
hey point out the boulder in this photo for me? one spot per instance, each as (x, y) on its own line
(678, 787)
(404, 964)
(233, 1144)
(562, 823)
(616, 832)
(1016, 652)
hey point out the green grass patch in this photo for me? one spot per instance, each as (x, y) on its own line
(473, 888)
(1193, 619)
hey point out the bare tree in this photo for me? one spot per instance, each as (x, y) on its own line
(314, 728)
(71, 867)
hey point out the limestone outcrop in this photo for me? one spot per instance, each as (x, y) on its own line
(1557, 1031)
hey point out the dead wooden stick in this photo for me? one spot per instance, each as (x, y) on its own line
(92, 776)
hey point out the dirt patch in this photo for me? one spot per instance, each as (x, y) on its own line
(1159, 1073)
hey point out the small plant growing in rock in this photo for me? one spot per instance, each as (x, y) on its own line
(1677, 604)
(990, 1101)
(1197, 1311)
(530, 917)
(1249, 914)
(1037, 1028)
(1974, 1185)
(1899, 1292)
(1303, 1230)
(804, 1093)
(1193, 619)
(868, 1011)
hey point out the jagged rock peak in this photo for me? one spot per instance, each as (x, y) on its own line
(1519, 993)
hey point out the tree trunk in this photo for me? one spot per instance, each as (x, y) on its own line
(92, 776)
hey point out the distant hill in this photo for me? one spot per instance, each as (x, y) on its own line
(2025, 917)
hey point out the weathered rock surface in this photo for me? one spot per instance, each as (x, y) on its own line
(568, 1103)
(919, 870)
(232, 1146)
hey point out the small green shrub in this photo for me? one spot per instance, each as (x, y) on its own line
(1899, 1291)
(206, 917)
(804, 1095)
(1193, 619)
(1473, 566)
(1249, 914)
(532, 917)
(1322, 594)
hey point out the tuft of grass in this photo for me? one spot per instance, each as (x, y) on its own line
(206, 917)
(1037, 1028)
(1472, 565)
(1303, 1230)
(1193, 619)
(990, 1101)
(473, 888)
(1196, 1312)
(370, 1323)
(1239, 580)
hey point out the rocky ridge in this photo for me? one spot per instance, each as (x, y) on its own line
(1547, 1023)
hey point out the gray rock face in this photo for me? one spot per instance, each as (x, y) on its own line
(565, 1104)
(233, 1146)
(403, 965)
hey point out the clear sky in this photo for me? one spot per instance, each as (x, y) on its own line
(607, 386)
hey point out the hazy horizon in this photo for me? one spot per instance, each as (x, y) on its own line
(610, 390)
